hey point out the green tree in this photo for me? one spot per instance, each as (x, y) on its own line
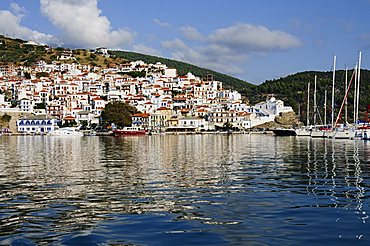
(119, 113)
(42, 74)
(228, 126)
(6, 118)
(40, 106)
(69, 123)
(27, 75)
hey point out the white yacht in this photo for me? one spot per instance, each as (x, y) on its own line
(66, 131)
(303, 131)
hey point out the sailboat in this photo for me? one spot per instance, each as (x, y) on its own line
(305, 131)
(323, 130)
(345, 131)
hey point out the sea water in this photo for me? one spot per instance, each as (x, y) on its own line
(184, 190)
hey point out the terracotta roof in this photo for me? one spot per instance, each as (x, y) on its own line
(163, 108)
(97, 99)
(69, 117)
(142, 115)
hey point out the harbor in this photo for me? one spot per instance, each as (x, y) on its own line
(224, 189)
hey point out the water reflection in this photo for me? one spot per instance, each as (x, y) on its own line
(220, 189)
(335, 175)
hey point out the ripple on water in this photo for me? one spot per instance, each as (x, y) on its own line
(208, 189)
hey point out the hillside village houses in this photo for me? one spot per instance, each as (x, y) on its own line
(166, 101)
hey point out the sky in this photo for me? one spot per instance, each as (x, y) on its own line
(254, 40)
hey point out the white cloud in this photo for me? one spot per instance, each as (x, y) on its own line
(82, 24)
(140, 48)
(227, 49)
(17, 9)
(253, 38)
(10, 25)
(191, 33)
(212, 57)
(161, 23)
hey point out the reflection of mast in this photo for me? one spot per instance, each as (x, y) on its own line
(309, 166)
(358, 181)
(333, 193)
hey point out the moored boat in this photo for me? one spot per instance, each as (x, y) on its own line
(130, 131)
(284, 132)
(66, 131)
(342, 134)
(303, 132)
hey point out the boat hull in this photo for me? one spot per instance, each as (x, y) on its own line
(303, 132)
(129, 132)
(284, 132)
(66, 132)
(342, 134)
(318, 134)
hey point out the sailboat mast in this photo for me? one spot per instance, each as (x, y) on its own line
(345, 89)
(314, 103)
(332, 93)
(308, 104)
(358, 86)
(355, 96)
(325, 107)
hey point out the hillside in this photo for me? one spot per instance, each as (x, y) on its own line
(293, 91)
(19, 52)
(183, 68)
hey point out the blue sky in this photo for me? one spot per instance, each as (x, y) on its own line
(254, 40)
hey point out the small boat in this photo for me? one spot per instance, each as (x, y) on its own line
(321, 132)
(342, 132)
(130, 131)
(284, 132)
(89, 133)
(66, 131)
(303, 132)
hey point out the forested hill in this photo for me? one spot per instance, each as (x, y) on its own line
(183, 68)
(293, 91)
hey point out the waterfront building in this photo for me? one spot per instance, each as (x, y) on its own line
(167, 100)
(38, 124)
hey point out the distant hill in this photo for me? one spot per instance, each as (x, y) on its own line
(293, 91)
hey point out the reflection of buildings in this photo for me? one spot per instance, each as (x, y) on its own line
(75, 182)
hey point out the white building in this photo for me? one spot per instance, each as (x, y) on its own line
(26, 105)
(273, 106)
(196, 122)
(37, 124)
(170, 73)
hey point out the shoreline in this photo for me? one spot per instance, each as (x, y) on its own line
(99, 134)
